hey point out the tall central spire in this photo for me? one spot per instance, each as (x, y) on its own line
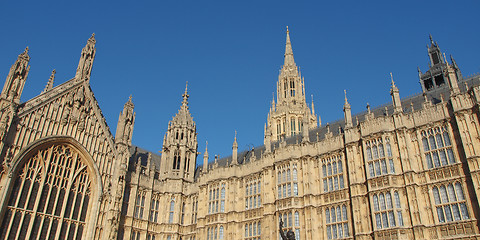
(286, 117)
(289, 61)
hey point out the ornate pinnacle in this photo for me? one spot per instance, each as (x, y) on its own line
(185, 97)
(50, 81)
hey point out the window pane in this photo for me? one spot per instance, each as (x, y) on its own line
(443, 194)
(334, 216)
(436, 160)
(392, 166)
(334, 166)
(329, 169)
(463, 207)
(425, 145)
(448, 212)
(297, 219)
(345, 229)
(369, 153)
(431, 140)
(335, 179)
(384, 166)
(378, 220)
(327, 216)
(400, 218)
(397, 199)
(446, 138)
(375, 203)
(324, 170)
(380, 150)
(375, 152)
(458, 188)
(389, 150)
(370, 168)
(340, 166)
(329, 232)
(391, 218)
(377, 168)
(429, 160)
(342, 185)
(443, 157)
(389, 200)
(441, 217)
(436, 195)
(382, 201)
(451, 193)
(456, 212)
(439, 140)
(325, 185)
(344, 212)
(451, 157)
(385, 220)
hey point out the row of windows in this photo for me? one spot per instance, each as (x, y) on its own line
(450, 202)
(385, 210)
(437, 147)
(215, 233)
(253, 231)
(337, 222)
(287, 175)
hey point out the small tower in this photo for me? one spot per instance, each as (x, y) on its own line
(434, 77)
(126, 120)
(180, 145)
(85, 63)
(451, 76)
(235, 150)
(347, 110)
(12, 90)
(285, 118)
(397, 104)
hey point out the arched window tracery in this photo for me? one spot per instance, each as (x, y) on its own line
(50, 196)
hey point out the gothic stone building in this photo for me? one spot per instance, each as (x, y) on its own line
(406, 170)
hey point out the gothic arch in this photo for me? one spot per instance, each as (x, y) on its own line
(53, 190)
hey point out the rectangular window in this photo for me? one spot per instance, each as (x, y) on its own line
(379, 163)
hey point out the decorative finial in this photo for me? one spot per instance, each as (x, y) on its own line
(345, 92)
(287, 29)
(431, 39)
(50, 81)
(368, 107)
(445, 58)
(391, 78)
(130, 98)
(26, 50)
(185, 96)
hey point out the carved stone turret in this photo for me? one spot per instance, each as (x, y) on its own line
(397, 104)
(347, 112)
(285, 118)
(12, 90)
(85, 64)
(235, 150)
(180, 145)
(126, 120)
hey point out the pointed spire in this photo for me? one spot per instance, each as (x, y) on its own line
(313, 107)
(205, 159)
(125, 123)
(49, 85)
(347, 112)
(185, 97)
(234, 150)
(397, 104)
(85, 63)
(451, 75)
(288, 51)
(431, 39)
(13, 87)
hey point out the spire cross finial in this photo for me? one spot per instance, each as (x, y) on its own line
(185, 96)
(391, 78)
(287, 29)
(130, 98)
(345, 91)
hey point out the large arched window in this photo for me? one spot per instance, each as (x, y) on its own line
(50, 196)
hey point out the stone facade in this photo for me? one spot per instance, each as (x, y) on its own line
(407, 170)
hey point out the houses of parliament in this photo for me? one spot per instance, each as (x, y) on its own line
(409, 169)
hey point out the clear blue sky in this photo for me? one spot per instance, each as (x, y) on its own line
(231, 53)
